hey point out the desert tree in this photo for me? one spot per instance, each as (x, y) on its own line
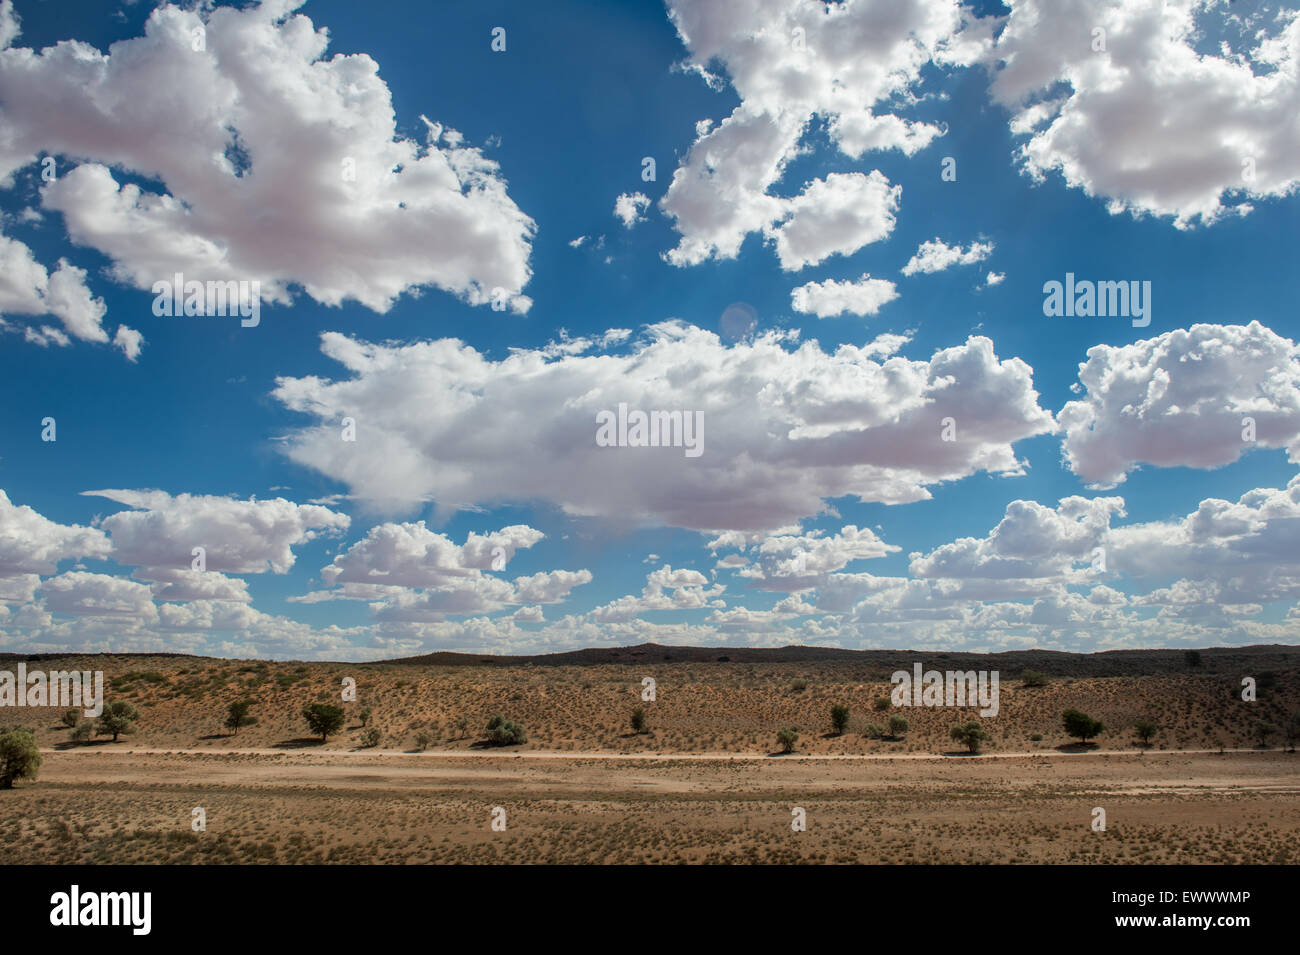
(364, 715)
(323, 718)
(873, 731)
(897, 724)
(638, 720)
(839, 718)
(1292, 730)
(71, 718)
(1263, 730)
(1081, 725)
(423, 739)
(20, 757)
(118, 718)
(370, 737)
(1033, 678)
(504, 732)
(237, 716)
(970, 735)
(1146, 731)
(786, 738)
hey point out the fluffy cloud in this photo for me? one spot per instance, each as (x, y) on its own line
(665, 589)
(835, 216)
(1156, 122)
(1179, 399)
(18, 588)
(129, 340)
(1038, 572)
(550, 586)
(32, 544)
(1030, 541)
(98, 595)
(9, 25)
(935, 256)
(848, 63)
(1248, 549)
(629, 209)
(794, 562)
(277, 164)
(411, 573)
(784, 429)
(242, 537)
(478, 593)
(827, 299)
(186, 585)
(411, 555)
(28, 289)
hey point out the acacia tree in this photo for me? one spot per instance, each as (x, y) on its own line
(638, 720)
(237, 716)
(897, 724)
(20, 757)
(118, 717)
(839, 718)
(323, 718)
(786, 738)
(1146, 730)
(970, 735)
(1081, 725)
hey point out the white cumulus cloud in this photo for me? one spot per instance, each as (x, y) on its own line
(865, 296)
(935, 255)
(266, 160)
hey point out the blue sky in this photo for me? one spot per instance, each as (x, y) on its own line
(848, 519)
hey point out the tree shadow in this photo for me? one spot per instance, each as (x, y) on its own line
(959, 753)
(1076, 747)
(78, 744)
(781, 752)
(302, 742)
(216, 736)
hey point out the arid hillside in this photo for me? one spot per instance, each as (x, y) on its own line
(736, 706)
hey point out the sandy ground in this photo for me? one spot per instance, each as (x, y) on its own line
(131, 805)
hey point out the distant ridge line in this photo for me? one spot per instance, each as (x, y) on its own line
(1250, 660)
(1107, 662)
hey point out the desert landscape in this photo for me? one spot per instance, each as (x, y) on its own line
(413, 776)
